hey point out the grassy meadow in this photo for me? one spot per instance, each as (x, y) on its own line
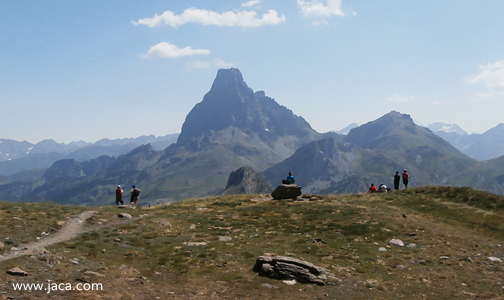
(206, 248)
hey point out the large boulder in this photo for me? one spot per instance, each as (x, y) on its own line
(286, 191)
(284, 267)
(246, 181)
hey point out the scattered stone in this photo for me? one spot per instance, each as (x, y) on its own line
(195, 243)
(290, 282)
(192, 226)
(412, 234)
(125, 215)
(443, 257)
(201, 208)
(319, 240)
(494, 259)
(284, 267)
(382, 249)
(396, 242)
(17, 272)
(104, 250)
(118, 240)
(411, 245)
(400, 267)
(2, 245)
(422, 262)
(270, 286)
(74, 261)
(286, 191)
(165, 223)
(469, 259)
(224, 238)
(94, 273)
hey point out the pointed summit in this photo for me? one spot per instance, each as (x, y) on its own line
(231, 103)
(227, 78)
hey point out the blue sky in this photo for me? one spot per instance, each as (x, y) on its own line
(86, 70)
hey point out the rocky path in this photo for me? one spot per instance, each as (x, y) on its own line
(73, 227)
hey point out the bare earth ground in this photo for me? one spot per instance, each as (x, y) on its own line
(73, 227)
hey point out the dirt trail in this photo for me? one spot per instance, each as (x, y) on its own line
(73, 227)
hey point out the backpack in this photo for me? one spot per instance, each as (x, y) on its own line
(136, 192)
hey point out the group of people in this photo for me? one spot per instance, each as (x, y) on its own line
(397, 180)
(134, 193)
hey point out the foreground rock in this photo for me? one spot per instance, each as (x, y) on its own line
(284, 267)
(286, 191)
(17, 272)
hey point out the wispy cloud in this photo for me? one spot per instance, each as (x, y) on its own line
(208, 17)
(317, 8)
(250, 3)
(400, 99)
(492, 75)
(198, 64)
(165, 49)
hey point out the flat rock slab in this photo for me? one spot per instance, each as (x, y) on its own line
(284, 267)
(17, 272)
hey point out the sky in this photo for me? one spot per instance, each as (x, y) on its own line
(93, 69)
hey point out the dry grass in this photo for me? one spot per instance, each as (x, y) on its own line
(152, 258)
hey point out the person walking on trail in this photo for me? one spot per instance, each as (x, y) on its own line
(119, 195)
(405, 178)
(397, 180)
(372, 188)
(135, 192)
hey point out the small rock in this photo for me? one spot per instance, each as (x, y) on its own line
(270, 286)
(224, 238)
(195, 243)
(17, 272)
(494, 259)
(192, 226)
(422, 262)
(400, 267)
(382, 249)
(94, 273)
(411, 245)
(103, 251)
(124, 215)
(290, 282)
(201, 208)
(74, 261)
(396, 242)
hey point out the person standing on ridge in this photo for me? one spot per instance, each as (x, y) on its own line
(135, 192)
(397, 180)
(405, 178)
(119, 195)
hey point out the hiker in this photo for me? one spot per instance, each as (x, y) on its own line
(290, 179)
(405, 178)
(372, 189)
(382, 188)
(397, 180)
(119, 195)
(135, 192)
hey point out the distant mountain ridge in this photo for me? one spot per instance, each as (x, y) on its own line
(485, 146)
(22, 156)
(232, 127)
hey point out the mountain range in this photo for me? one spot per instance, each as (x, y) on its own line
(233, 127)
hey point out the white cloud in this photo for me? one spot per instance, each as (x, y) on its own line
(400, 99)
(250, 3)
(318, 8)
(198, 64)
(492, 75)
(165, 49)
(208, 17)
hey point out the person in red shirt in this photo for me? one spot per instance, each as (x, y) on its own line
(119, 195)
(405, 178)
(372, 189)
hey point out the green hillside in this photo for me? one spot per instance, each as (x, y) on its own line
(207, 248)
